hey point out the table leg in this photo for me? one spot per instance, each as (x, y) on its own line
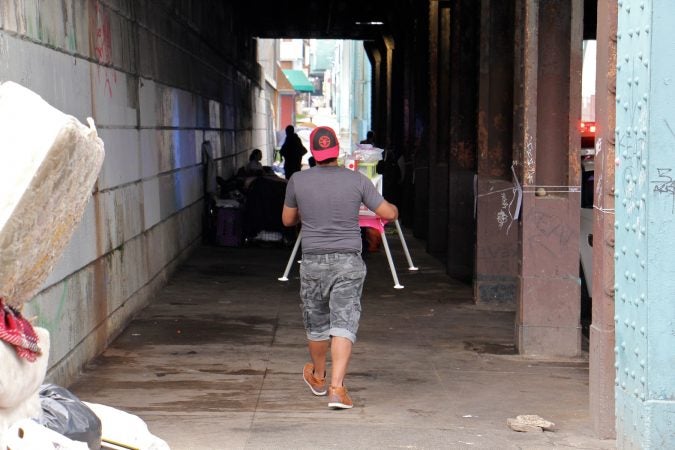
(397, 285)
(290, 260)
(411, 266)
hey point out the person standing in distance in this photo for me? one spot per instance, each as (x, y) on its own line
(326, 199)
(292, 151)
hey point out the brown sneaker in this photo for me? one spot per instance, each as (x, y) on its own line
(317, 385)
(339, 398)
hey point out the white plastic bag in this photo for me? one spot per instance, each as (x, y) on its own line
(119, 427)
(29, 435)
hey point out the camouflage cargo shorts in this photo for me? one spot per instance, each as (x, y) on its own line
(330, 288)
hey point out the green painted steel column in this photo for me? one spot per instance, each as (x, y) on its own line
(645, 225)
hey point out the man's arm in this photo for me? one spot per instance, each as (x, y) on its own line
(387, 211)
(290, 216)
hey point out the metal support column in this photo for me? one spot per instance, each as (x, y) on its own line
(645, 225)
(601, 358)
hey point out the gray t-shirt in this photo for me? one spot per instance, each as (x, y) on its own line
(328, 199)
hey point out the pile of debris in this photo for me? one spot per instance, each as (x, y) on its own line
(48, 166)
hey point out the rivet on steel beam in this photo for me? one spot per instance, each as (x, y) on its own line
(616, 350)
(642, 5)
(632, 374)
(643, 263)
(636, 351)
(616, 365)
(643, 297)
(623, 298)
(616, 256)
(645, 97)
(635, 176)
(643, 380)
(642, 397)
(642, 363)
(633, 276)
(629, 81)
(635, 130)
(646, 63)
(637, 32)
(627, 225)
(624, 249)
(616, 381)
(626, 58)
(616, 319)
(623, 344)
(625, 202)
(643, 230)
(623, 385)
(634, 227)
(636, 80)
(640, 55)
(625, 371)
(635, 393)
(647, 29)
(642, 330)
(632, 325)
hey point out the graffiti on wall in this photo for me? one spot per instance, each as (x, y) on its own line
(102, 50)
(665, 185)
(505, 215)
(529, 160)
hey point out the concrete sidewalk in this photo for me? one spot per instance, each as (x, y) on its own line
(215, 363)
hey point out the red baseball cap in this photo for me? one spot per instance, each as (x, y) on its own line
(323, 143)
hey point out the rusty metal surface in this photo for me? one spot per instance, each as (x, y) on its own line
(495, 115)
(601, 364)
(548, 306)
(463, 100)
(437, 235)
(495, 281)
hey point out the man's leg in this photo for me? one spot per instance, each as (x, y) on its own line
(318, 351)
(341, 351)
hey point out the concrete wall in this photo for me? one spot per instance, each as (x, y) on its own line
(159, 78)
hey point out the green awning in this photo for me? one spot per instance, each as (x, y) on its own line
(299, 80)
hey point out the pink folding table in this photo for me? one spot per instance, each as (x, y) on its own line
(366, 219)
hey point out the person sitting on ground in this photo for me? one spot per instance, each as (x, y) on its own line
(370, 138)
(254, 167)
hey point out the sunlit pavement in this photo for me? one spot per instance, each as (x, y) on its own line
(215, 363)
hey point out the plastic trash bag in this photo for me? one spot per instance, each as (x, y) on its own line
(66, 414)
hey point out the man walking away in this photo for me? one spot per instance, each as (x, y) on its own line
(292, 151)
(326, 199)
